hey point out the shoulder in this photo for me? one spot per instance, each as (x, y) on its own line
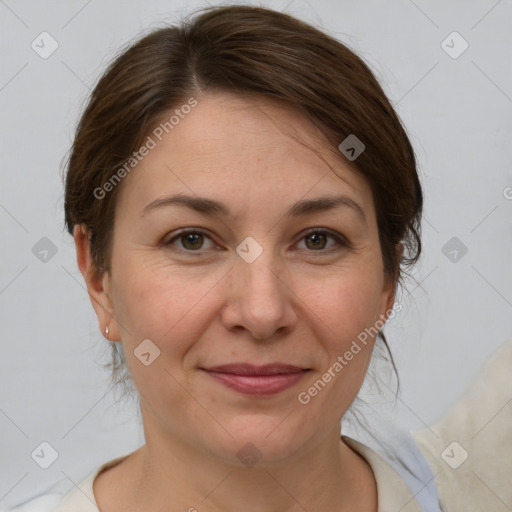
(66, 496)
(403, 478)
(470, 447)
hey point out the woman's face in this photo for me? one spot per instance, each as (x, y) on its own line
(235, 244)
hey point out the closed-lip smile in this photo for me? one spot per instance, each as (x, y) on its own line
(262, 380)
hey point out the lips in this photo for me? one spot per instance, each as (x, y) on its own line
(250, 369)
(257, 380)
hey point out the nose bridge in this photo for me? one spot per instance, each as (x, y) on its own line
(259, 278)
(260, 284)
(256, 262)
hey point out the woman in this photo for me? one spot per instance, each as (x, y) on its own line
(244, 200)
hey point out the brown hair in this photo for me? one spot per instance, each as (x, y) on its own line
(244, 49)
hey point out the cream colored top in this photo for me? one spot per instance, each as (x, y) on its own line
(469, 455)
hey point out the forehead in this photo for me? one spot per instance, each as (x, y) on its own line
(242, 150)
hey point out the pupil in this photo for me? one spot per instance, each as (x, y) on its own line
(317, 239)
(192, 239)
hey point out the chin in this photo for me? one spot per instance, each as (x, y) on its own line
(262, 439)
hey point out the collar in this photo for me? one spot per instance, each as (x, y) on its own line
(393, 493)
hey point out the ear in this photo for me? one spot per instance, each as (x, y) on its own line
(98, 284)
(390, 284)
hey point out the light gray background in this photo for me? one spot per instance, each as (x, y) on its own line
(457, 112)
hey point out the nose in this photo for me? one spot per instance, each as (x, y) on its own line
(259, 300)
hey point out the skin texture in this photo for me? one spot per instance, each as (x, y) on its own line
(302, 302)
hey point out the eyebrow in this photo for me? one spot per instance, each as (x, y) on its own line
(212, 207)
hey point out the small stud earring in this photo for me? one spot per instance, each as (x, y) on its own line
(106, 331)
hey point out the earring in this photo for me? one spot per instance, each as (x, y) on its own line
(106, 331)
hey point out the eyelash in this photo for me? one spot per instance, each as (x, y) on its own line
(339, 239)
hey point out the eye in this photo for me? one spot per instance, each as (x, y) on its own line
(190, 241)
(318, 240)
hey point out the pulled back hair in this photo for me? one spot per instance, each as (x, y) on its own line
(241, 50)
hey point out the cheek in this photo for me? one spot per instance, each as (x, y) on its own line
(171, 309)
(347, 303)
(162, 304)
(344, 310)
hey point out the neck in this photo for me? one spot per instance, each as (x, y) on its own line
(170, 476)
